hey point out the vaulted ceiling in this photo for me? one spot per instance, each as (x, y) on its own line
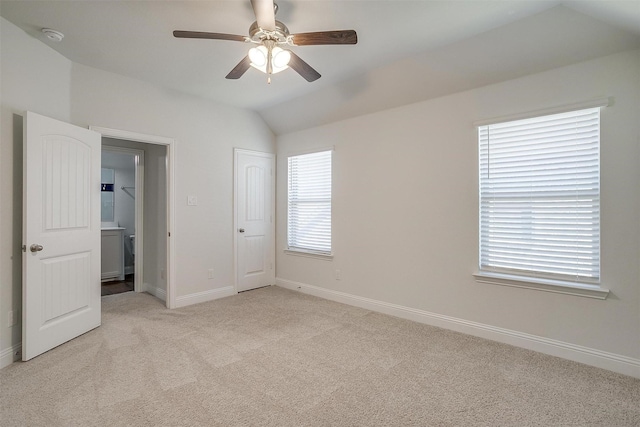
(407, 51)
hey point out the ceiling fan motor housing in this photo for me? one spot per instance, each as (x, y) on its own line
(280, 34)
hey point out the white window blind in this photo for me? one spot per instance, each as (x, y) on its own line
(309, 202)
(540, 196)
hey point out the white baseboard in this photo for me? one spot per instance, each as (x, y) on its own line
(589, 356)
(10, 355)
(198, 297)
(156, 292)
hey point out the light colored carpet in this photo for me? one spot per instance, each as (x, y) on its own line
(273, 357)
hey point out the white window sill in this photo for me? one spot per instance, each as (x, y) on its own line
(540, 284)
(324, 257)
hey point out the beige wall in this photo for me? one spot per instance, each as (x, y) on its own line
(405, 202)
(205, 135)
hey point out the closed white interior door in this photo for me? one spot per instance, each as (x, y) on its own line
(61, 233)
(255, 231)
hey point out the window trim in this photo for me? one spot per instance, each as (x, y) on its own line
(583, 289)
(594, 103)
(540, 284)
(308, 253)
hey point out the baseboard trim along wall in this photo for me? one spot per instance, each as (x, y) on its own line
(156, 292)
(198, 297)
(10, 355)
(589, 356)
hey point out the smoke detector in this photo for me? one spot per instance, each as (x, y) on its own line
(53, 35)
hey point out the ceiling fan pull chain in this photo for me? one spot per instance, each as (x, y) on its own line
(269, 44)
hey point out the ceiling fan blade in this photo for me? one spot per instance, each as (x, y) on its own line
(325, 37)
(265, 14)
(240, 69)
(204, 35)
(302, 68)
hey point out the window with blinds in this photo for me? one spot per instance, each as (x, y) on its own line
(309, 203)
(540, 197)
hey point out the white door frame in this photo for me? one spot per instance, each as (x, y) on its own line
(138, 274)
(170, 143)
(272, 156)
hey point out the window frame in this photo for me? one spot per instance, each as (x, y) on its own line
(579, 288)
(300, 250)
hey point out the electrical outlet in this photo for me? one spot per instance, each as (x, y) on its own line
(210, 273)
(192, 201)
(338, 274)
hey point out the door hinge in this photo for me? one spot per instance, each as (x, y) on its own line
(24, 248)
(169, 234)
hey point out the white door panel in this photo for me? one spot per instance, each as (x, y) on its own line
(254, 219)
(61, 233)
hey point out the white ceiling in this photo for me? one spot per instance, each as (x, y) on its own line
(407, 51)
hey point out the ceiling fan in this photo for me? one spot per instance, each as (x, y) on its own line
(270, 36)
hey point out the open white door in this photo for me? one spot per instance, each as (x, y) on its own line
(61, 233)
(255, 244)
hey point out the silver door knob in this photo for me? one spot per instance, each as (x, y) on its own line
(241, 230)
(35, 248)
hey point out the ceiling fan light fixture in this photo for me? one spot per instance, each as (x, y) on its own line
(279, 58)
(258, 56)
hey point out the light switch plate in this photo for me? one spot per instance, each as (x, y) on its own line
(192, 200)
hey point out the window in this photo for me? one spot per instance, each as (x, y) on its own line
(540, 197)
(309, 203)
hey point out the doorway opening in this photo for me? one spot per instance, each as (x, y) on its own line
(147, 247)
(122, 204)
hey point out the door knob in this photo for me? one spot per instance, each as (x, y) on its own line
(35, 248)
(241, 230)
